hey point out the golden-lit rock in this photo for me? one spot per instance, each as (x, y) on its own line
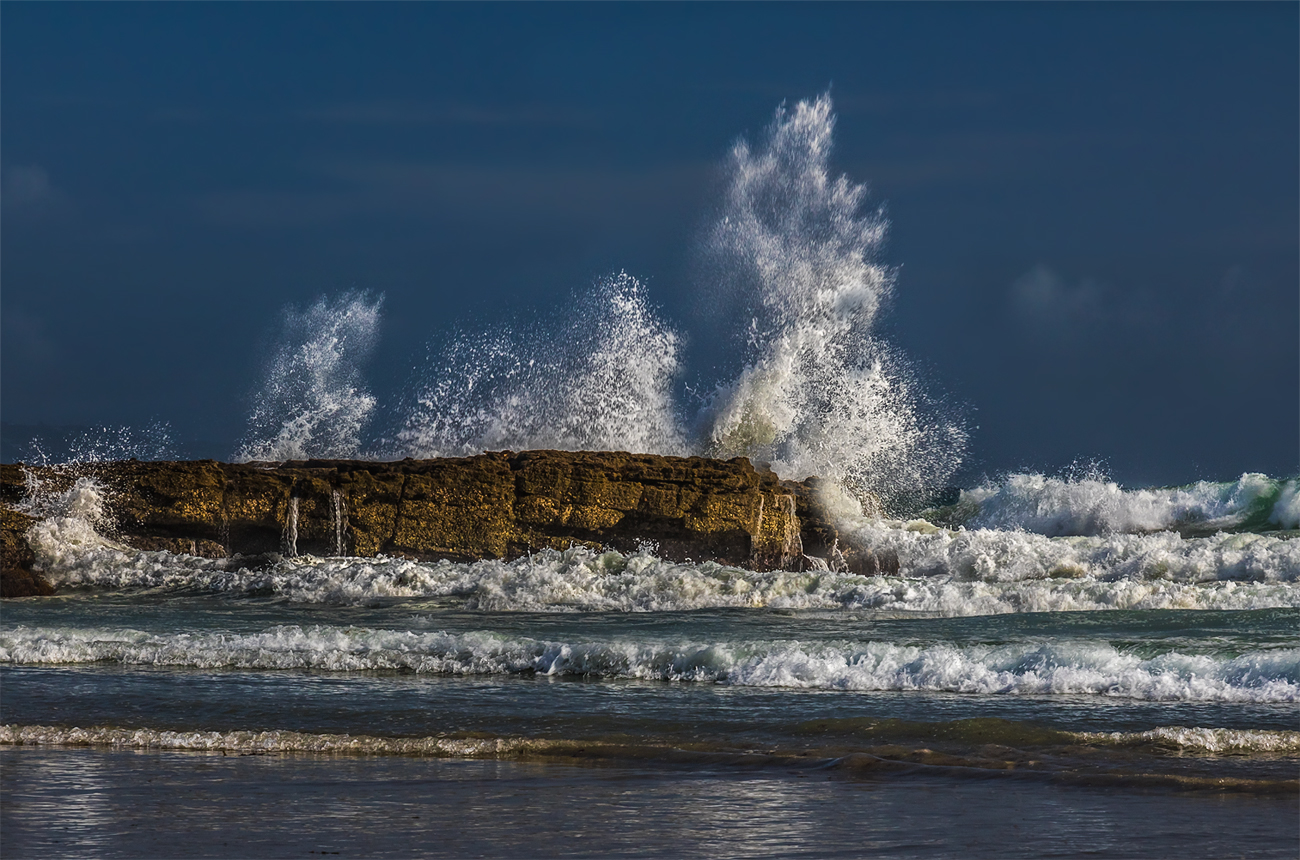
(17, 578)
(495, 505)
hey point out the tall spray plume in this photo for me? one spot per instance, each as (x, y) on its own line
(819, 394)
(599, 377)
(312, 402)
(791, 252)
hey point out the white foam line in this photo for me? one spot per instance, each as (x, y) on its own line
(1030, 668)
(1208, 741)
(258, 742)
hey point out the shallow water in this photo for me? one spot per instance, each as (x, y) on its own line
(162, 688)
(79, 803)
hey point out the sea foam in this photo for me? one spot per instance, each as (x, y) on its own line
(941, 572)
(990, 579)
(312, 402)
(1183, 739)
(1049, 668)
(1203, 741)
(797, 260)
(601, 378)
(1092, 504)
(253, 742)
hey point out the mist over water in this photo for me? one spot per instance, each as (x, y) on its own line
(791, 252)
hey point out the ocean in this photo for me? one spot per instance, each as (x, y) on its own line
(1062, 666)
(1008, 693)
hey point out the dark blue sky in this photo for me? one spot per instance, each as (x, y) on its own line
(1093, 206)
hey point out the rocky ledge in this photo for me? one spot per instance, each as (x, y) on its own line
(496, 505)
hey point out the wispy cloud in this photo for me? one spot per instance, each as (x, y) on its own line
(28, 193)
(359, 189)
(1042, 298)
(256, 209)
(428, 113)
(1058, 311)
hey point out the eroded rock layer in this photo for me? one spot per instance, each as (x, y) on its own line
(496, 505)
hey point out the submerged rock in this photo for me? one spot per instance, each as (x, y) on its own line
(495, 505)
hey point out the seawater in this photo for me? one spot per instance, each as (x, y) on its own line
(1062, 665)
(1117, 689)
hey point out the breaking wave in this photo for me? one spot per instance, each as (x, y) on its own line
(942, 572)
(581, 580)
(1124, 560)
(1023, 668)
(265, 742)
(1205, 741)
(1094, 505)
(1181, 739)
(71, 522)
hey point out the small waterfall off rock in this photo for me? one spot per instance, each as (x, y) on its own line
(338, 506)
(289, 542)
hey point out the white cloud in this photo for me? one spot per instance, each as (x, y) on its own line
(365, 189)
(1044, 300)
(25, 185)
(422, 113)
(251, 209)
(27, 193)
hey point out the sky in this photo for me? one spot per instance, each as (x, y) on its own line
(1094, 208)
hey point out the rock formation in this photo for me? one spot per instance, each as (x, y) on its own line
(495, 505)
